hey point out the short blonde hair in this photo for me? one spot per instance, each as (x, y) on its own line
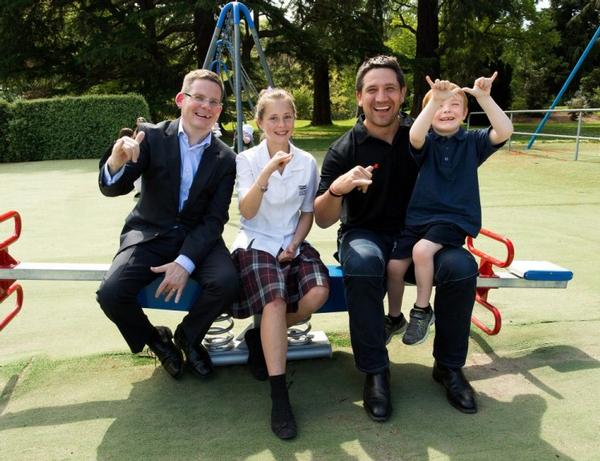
(453, 86)
(272, 94)
(201, 74)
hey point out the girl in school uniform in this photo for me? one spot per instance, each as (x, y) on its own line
(283, 277)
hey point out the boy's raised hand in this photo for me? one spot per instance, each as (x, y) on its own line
(441, 89)
(482, 86)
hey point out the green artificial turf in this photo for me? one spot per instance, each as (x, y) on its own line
(70, 389)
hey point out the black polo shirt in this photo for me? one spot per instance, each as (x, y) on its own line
(383, 207)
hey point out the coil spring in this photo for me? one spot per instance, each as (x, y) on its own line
(219, 336)
(299, 334)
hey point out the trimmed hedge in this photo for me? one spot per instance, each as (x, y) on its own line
(5, 114)
(67, 127)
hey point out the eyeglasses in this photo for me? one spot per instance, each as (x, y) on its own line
(201, 99)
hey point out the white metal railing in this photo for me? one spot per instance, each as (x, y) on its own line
(576, 136)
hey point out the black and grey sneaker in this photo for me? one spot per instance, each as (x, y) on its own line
(418, 326)
(394, 326)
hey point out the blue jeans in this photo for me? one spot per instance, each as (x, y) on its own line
(364, 255)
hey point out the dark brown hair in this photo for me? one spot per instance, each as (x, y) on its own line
(379, 62)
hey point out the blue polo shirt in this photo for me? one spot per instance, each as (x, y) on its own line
(447, 187)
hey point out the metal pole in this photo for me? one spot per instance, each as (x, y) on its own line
(565, 86)
(215, 38)
(510, 138)
(259, 50)
(578, 133)
(237, 77)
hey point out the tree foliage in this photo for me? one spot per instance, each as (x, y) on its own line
(56, 47)
(330, 35)
(74, 47)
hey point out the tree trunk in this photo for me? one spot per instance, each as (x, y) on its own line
(321, 102)
(376, 10)
(427, 61)
(204, 25)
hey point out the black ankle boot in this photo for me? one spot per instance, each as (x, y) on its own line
(459, 392)
(377, 397)
(256, 357)
(283, 423)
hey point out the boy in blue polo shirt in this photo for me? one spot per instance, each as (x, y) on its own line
(444, 206)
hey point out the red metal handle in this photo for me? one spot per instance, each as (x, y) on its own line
(481, 298)
(11, 315)
(487, 261)
(8, 287)
(17, 229)
(486, 269)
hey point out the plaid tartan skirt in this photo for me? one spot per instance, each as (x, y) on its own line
(265, 279)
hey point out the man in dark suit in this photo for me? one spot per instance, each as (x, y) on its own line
(175, 228)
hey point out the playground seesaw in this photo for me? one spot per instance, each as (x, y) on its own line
(224, 348)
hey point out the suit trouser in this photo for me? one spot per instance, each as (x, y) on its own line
(364, 255)
(130, 273)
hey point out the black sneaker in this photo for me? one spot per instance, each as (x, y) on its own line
(394, 327)
(418, 326)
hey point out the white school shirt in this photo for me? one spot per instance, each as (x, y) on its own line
(274, 225)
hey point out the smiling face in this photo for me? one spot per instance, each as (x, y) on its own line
(449, 116)
(201, 109)
(381, 97)
(277, 123)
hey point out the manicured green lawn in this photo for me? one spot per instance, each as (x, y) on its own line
(317, 139)
(588, 128)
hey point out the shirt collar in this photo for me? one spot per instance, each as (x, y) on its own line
(460, 135)
(263, 146)
(204, 143)
(361, 131)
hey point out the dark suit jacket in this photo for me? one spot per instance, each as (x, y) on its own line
(204, 213)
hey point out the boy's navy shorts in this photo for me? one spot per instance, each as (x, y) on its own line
(445, 234)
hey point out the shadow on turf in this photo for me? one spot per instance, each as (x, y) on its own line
(561, 358)
(227, 417)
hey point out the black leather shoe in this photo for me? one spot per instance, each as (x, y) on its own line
(459, 392)
(197, 358)
(170, 357)
(376, 396)
(256, 357)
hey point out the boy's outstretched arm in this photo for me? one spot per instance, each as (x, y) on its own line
(420, 127)
(502, 127)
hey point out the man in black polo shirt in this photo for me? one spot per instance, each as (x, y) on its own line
(366, 182)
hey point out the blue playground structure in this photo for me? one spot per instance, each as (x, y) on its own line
(540, 126)
(223, 57)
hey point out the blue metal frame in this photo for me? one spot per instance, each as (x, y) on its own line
(564, 88)
(233, 12)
